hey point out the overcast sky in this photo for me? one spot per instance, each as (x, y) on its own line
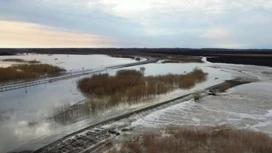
(136, 23)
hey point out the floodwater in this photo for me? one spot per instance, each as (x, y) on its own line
(23, 123)
(247, 106)
(72, 62)
(21, 109)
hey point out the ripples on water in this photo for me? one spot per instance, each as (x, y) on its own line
(246, 106)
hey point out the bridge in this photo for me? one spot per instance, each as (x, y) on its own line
(69, 75)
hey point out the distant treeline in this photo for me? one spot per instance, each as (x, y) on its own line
(236, 56)
(139, 51)
(249, 60)
(2, 53)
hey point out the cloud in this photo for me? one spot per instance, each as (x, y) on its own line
(62, 14)
(153, 23)
(25, 35)
(216, 33)
(222, 38)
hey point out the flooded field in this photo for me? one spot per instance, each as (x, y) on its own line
(24, 112)
(71, 62)
(246, 106)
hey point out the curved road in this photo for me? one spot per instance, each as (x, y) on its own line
(69, 75)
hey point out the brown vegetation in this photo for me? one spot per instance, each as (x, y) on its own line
(130, 86)
(28, 72)
(198, 140)
(197, 96)
(230, 84)
(20, 60)
(67, 113)
(224, 87)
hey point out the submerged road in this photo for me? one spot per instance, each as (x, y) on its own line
(70, 75)
(98, 135)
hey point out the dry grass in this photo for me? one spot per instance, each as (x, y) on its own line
(127, 87)
(66, 114)
(230, 84)
(224, 87)
(28, 72)
(197, 96)
(61, 114)
(20, 60)
(130, 86)
(198, 140)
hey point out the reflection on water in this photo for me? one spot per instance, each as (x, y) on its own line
(162, 69)
(23, 115)
(23, 112)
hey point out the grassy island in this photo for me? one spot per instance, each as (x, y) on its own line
(131, 86)
(126, 87)
(28, 72)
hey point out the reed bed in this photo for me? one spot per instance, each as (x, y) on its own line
(28, 72)
(197, 140)
(131, 87)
